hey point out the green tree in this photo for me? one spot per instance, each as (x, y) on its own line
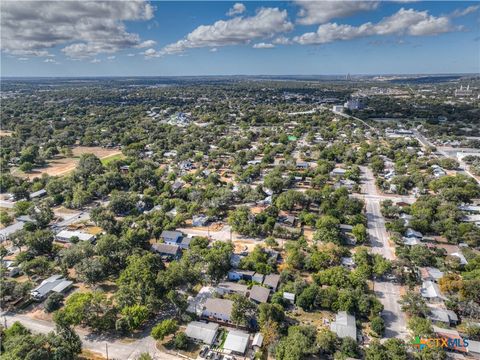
(413, 304)
(243, 310)
(360, 233)
(166, 327)
(377, 325)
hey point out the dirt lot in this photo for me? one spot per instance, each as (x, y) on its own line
(5, 133)
(61, 166)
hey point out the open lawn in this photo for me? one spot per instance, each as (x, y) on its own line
(63, 165)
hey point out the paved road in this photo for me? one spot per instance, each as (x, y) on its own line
(117, 348)
(387, 292)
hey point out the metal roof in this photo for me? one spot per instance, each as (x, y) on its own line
(68, 235)
(202, 331)
(344, 325)
(9, 230)
(54, 283)
(236, 341)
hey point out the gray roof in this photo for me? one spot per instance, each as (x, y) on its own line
(442, 315)
(233, 287)
(236, 341)
(412, 233)
(259, 294)
(54, 283)
(344, 325)
(474, 347)
(430, 290)
(9, 230)
(38, 193)
(202, 331)
(257, 340)
(166, 249)
(434, 273)
(219, 306)
(271, 280)
(167, 234)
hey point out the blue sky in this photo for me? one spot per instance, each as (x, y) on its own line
(226, 38)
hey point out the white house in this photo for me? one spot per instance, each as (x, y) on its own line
(218, 309)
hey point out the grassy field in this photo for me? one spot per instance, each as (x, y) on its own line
(109, 159)
(64, 165)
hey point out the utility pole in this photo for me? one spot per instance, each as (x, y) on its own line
(106, 349)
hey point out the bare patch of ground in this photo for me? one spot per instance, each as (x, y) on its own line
(63, 165)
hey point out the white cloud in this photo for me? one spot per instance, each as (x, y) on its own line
(130, 54)
(467, 11)
(23, 59)
(282, 40)
(112, 57)
(151, 53)
(87, 28)
(146, 44)
(240, 30)
(319, 12)
(95, 61)
(213, 50)
(263, 45)
(403, 22)
(51, 61)
(236, 9)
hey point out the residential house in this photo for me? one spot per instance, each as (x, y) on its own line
(259, 294)
(236, 275)
(171, 237)
(55, 283)
(175, 238)
(348, 262)
(463, 260)
(271, 281)
(344, 325)
(168, 251)
(287, 220)
(413, 234)
(290, 297)
(302, 165)
(431, 292)
(257, 277)
(218, 309)
(257, 341)
(202, 332)
(236, 342)
(8, 231)
(338, 172)
(229, 287)
(38, 194)
(197, 303)
(200, 220)
(67, 236)
(431, 274)
(12, 270)
(442, 315)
